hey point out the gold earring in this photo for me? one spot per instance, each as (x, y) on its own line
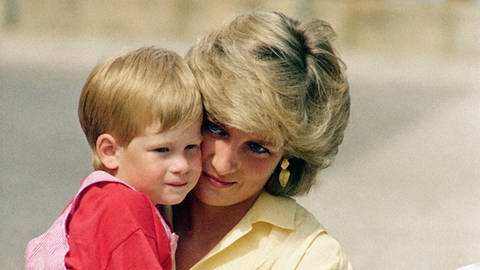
(284, 173)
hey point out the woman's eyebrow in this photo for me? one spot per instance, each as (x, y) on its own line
(270, 145)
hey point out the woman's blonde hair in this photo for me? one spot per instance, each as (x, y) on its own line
(126, 94)
(271, 75)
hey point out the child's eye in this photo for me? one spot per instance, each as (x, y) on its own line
(191, 146)
(257, 148)
(162, 150)
(214, 128)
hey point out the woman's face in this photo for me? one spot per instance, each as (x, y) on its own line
(236, 165)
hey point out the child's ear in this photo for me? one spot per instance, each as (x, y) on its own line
(107, 149)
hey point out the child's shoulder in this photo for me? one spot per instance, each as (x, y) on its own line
(114, 203)
(102, 187)
(111, 194)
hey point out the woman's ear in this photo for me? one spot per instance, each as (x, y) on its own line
(107, 149)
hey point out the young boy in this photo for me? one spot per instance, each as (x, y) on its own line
(141, 113)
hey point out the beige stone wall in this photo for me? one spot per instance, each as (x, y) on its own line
(393, 27)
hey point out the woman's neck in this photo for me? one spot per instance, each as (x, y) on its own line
(202, 226)
(200, 217)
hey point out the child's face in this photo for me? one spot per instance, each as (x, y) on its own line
(165, 166)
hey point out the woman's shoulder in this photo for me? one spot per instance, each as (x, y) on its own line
(308, 243)
(284, 212)
(326, 249)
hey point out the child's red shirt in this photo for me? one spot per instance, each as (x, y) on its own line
(108, 226)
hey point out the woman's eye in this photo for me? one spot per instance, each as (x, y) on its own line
(162, 150)
(257, 148)
(214, 128)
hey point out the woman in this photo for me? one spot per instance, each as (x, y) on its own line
(277, 106)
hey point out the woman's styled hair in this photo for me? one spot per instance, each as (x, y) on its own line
(271, 75)
(124, 95)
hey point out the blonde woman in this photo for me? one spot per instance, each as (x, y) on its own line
(277, 104)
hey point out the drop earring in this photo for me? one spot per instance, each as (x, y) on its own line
(284, 173)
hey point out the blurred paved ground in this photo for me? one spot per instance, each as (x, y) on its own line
(402, 194)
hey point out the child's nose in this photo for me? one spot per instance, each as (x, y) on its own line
(180, 164)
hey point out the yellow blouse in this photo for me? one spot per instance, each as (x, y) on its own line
(276, 233)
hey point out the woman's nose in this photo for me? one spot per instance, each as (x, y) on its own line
(225, 158)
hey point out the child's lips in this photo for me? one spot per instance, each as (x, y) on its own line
(178, 184)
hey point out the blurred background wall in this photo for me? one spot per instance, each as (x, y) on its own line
(403, 192)
(428, 26)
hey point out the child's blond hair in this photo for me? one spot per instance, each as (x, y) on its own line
(126, 94)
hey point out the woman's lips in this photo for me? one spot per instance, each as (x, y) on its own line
(216, 182)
